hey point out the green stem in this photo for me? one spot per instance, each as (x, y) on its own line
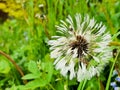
(110, 74)
(51, 87)
(15, 64)
(82, 85)
(66, 85)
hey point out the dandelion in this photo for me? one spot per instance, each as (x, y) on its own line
(81, 49)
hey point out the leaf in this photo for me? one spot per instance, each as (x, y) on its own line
(31, 76)
(32, 67)
(59, 85)
(4, 67)
(35, 83)
(92, 84)
(41, 78)
(48, 71)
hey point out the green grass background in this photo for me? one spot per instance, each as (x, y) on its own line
(24, 37)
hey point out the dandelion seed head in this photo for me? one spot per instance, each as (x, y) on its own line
(81, 50)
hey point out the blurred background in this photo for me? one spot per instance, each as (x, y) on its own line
(25, 28)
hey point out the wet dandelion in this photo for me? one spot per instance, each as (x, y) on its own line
(81, 50)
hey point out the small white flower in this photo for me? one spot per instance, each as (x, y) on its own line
(81, 50)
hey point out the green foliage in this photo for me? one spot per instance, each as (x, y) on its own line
(5, 68)
(24, 34)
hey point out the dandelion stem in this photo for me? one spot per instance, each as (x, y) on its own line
(82, 85)
(110, 74)
(66, 85)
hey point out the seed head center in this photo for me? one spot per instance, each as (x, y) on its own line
(81, 44)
